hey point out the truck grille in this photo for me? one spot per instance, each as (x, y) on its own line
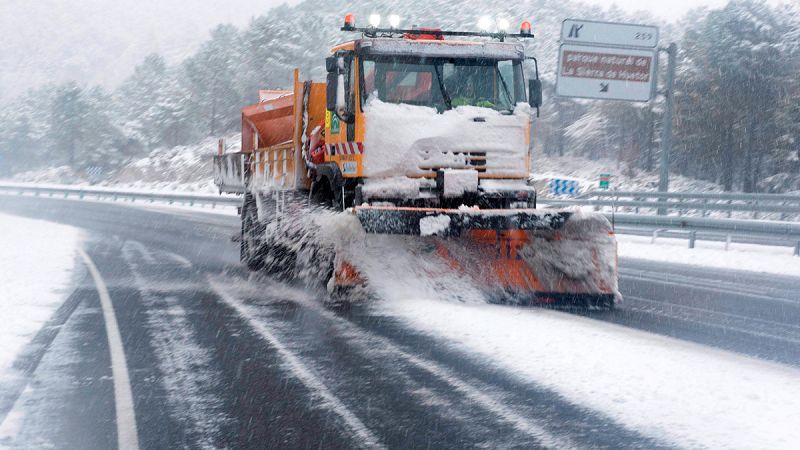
(459, 160)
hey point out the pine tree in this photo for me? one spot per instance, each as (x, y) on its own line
(136, 96)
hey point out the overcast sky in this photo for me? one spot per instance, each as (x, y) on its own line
(670, 10)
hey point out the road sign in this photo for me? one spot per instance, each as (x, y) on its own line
(559, 187)
(589, 32)
(609, 73)
(605, 180)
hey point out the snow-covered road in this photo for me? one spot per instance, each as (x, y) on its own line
(219, 357)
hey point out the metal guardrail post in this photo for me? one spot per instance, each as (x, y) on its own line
(797, 248)
(692, 238)
(655, 235)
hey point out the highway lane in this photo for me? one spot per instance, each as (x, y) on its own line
(220, 357)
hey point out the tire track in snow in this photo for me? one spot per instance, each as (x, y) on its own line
(189, 380)
(370, 342)
(701, 315)
(300, 370)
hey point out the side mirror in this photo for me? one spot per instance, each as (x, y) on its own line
(535, 93)
(337, 92)
(330, 91)
(330, 64)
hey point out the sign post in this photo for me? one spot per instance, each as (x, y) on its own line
(666, 128)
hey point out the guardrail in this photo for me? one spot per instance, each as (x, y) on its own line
(114, 194)
(763, 232)
(684, 203)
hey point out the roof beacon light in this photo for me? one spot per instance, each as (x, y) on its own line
(349, 21)
(503, 25)
(525, 28)
(485, 23)
(394, 20)
(374, 20)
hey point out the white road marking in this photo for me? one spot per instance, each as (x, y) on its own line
(127, 438)
(664, 313)
(375, 342)
(299, 370)
(710, 289)
(189, 378)
(179, 259)
(690, 281)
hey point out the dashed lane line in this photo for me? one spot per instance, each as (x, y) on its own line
(127, 438)
(474, 393)
(302, 372)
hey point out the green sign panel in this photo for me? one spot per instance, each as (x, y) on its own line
(605, 180)
(334, 123)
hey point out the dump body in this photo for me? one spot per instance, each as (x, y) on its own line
(272, 141)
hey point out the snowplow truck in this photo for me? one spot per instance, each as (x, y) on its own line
(424, 133)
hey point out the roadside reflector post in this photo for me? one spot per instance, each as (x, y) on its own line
(727, 242)
(797, 249)
(692, 238)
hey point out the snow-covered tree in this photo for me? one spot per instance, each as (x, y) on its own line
(136, 96)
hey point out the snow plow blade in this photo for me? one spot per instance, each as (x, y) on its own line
(453, 222)
(524, 256)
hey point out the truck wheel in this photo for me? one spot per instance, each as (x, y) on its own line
(251, 245)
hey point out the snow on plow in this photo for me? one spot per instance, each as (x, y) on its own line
(563, 258)
(452, 222)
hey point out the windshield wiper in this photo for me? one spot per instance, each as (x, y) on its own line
(505, 88)
(445, 97)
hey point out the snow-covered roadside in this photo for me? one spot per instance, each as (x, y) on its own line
(751, 257)
(587, 173)
(37, 259)
(686, 394)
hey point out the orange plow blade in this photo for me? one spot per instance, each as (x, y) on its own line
(518, 256)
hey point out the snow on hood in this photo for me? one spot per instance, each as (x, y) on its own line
(409, 140)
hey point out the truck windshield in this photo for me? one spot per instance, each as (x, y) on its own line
(443, 83)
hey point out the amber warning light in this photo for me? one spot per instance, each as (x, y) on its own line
(525, 28)
(349, 21)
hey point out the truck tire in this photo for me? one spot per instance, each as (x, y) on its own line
(251, 247)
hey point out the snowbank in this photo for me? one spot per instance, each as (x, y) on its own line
(36, 264)
(408, 139)
(755, 258)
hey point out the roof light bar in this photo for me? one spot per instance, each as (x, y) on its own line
(503, 24)
(391, 32)
(374, 20)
